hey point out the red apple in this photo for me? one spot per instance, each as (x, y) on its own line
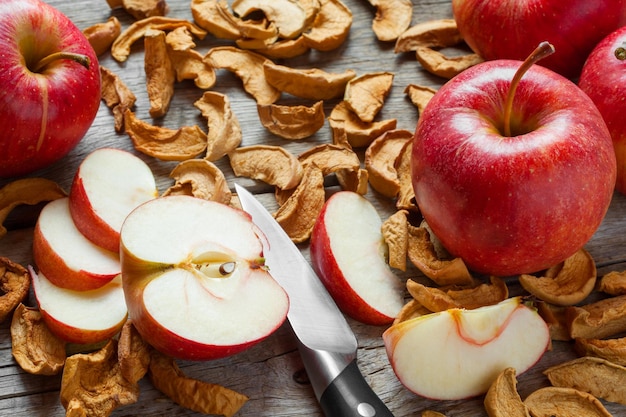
(108, 185)
(518, 196)
(194, 279)
(50, 86)
(506, 29)
(349, 255)
(604, 80)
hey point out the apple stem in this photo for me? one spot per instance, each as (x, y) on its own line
(543, 50)
(81, 59)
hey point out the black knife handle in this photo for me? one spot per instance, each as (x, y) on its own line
(349, 395)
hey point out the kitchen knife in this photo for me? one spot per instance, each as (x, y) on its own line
(326, 342)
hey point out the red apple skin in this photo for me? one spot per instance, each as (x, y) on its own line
(511, 29)
(326, 268)
(79, 336)
(512, 205)
(604, 80)
(59, 273)
(42, 115)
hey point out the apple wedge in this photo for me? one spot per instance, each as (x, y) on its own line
(349, 254)
(456, 354)
(108, 185)
(194, 278)
(82, 317)
(65, 256)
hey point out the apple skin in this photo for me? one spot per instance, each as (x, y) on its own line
(511, 29)
(604, 80)
(353, 211)
(515, 205)
(43, 115)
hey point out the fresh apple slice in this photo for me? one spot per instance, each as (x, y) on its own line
(108, 185)
(349, 254)
(456, 354)
(194, 278)
(65, 256)
(83, 317)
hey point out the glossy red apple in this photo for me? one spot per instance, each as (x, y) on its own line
(349, 255)
(518, 201)
(194, 279)
(511, 29)
(50, 86)
(604, 80)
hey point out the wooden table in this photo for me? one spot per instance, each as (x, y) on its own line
(266, 372)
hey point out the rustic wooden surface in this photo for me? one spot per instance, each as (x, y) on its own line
(266, 372)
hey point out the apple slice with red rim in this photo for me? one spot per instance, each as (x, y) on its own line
(456, 354)
(194, 278)
(65, 256)
(108, 185)
(349, 254)
(82, 317)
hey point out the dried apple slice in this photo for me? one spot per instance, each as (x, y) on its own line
(564, 402)
(613, 350)
(502, 398)
(14, 285)
(600, 319)
(331, 26)
(224, 132)
(419, 95)
(365, 94)
(215, 17)
(381, 158)
(435, 33)
(102, 35)
(160, 74)
(188, 63)
(201, 179)
(271, 164)
(393, 17)
(117, 96)
(444, 66)
(310, 83)
(292, 122)
(358, 133)
(288, 16)
(140, 9)
(396, 234)
(248, 66)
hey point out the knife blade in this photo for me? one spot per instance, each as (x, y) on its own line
(326, 343)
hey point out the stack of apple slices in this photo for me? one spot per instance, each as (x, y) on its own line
(76, 246)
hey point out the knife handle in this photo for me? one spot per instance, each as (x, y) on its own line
(349, 395)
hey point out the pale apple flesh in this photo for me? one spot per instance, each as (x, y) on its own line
(49, 111)
(65, 256)
(519, 204)
(349, 255)
(194, 279)
(82, 317)
(456, 354)
(108, 185)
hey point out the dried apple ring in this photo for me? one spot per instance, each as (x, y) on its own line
(613, 350)
(188, 63)
(331, 26)
(14, 286)
(596, 376)
(273, 165)
(406, 194)
(365, 94)
(288, 17)
(35, 348)
(248, 66)
(297, 215)
(381, 159)
(564, 402)
(29, 191)
(310, 83)
(502, 398)
(443, 272)
(436, 33)
(395, 231)
(162, 143)
(201, 179)
(411, 310)
(480, 295)
(567, 283)
(330, 158)
(224, 131)
(419, 95)
(613, 283)
(117, 96)
(441, 65)
(140, 9)
(215, 17)
(292, 122)
(393, 17)
(604, 318)
(432, 298)
(102, 35)
(120, 50)
(358, 133)
(133, 353)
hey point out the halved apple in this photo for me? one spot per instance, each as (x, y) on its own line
(65, 256)
(194, 278)
(82, 317)
(349, 254)
(456, 354)
(108, 185)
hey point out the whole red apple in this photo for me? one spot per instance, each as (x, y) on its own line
(510, 29)
(49, 86)
(604, 80)
(519, 201)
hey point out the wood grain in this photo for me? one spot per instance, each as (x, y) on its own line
(270, 373)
